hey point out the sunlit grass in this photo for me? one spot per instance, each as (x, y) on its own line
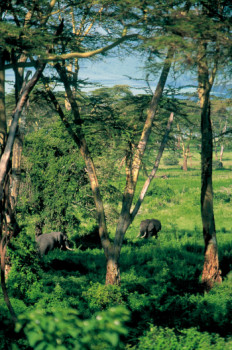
(175, 200)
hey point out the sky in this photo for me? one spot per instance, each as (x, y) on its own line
(110, 71)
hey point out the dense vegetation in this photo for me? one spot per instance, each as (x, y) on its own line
(62, 300)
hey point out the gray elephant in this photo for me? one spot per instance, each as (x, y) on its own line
(149, 228)
(50, 241)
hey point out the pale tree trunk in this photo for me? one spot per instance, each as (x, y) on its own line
(185, 148)
(132, 171)
(211, 272)
(112, 252)
(221, 153)
(3, 127)
(155, 168)
(18, 142)
(20, 82)
(3, 246)
(189, 155)
(5, 158)
(216, 154)
(185, 162)
(222, 146)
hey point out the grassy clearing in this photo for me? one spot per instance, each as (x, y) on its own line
(175, 201)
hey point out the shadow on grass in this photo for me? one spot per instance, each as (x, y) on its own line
(160, 285)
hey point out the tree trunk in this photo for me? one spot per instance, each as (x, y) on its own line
(112, 271)
(221, 153)
(185, 162)
(155, 168)
(3, 172)
(133, 163)
(190, 156)
(16, 115)
(79, 139)
(18, 142)
(211, 272)
(216, 154)
(112, 253)
(3, 127)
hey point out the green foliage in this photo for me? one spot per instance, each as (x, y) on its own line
(162, 193)
(100, 297)
(26, 269)
(7, 334)
(172, 159)
(55, 179)
(223, 195)
(158, 338)
(160, 278)
(62, 329)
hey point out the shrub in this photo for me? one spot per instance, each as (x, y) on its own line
(62, 329)
(163, 193)
(26, 270)
(171, 159)
(100, 297)
(158, 338)
(222, 196)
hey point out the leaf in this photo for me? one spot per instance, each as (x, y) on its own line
(34, 337)
(111, 338)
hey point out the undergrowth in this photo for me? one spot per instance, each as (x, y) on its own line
(62, 301)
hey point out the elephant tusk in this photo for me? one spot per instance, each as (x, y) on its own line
(144, 235)
(68, 248)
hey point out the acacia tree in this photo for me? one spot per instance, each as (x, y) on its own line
(30, 22)
(212, 54)
(205, 27)
(27, 31)
(133, 18)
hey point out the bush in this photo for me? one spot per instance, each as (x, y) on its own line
(62, 329)
(100, 297)
(171, 159)
(163, 193)
(158, 338)
(26, 269)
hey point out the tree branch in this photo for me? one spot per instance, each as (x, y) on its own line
(16, 115)
(154, 170)
(56, 58)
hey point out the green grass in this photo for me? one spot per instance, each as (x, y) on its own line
(175, 201)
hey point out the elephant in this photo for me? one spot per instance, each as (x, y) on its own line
(50, 241)
(149, 228)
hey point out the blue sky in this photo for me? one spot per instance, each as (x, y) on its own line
(110, 71)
